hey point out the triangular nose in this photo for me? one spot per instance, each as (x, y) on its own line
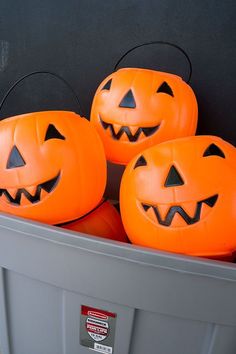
(128, 100)
(173, 178)
(15, 159)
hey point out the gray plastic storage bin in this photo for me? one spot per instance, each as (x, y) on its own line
(162, 303)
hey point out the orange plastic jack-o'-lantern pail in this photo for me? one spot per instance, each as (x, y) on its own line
(48, 164)
(53, 170)
(180, 196)
(135, 108)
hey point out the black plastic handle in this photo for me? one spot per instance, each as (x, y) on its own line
(41, 72)
(159, 42)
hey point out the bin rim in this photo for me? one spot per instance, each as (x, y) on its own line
(119, 250)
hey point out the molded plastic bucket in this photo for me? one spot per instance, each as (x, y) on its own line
(151, 302)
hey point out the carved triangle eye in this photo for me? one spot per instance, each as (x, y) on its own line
(165, 88)
(140, 162)
(107, 86)
(128, 100)
(173, 178)
(15, 159)
(213, 150)
(53, 133)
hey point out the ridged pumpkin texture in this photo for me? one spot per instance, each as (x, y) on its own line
(134, 109)
(52, 166)
(180, 196)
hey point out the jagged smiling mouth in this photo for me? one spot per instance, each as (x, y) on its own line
(47, 186)
(147, 131)
(178, 209)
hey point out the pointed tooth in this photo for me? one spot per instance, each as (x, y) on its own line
(151, 214)
(142, 136)
(31, 189)
(11, 198)
(133, 129)
(24, 201)
(124, 137)
(116, 128)
(204, 210)
(12, 192)
(5, 199)
(32, 198)
(163, 210)
(43, 194)
(178, 221)
(190, 208)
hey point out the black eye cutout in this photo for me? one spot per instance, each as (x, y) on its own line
(140, 162)
(174, 178)
(107, 86)
(165, 88)
(128, 100)
(213, 150)
(53, 133)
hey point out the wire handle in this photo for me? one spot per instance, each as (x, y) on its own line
(41, 72)
(159, 42)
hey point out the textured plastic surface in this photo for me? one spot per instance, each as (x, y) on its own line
(141, 108)
(51, 144)
(174, 199)
(164, 303)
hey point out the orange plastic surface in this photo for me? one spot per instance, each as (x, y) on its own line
(52, 166)
(197, 208)
(104, 221)
(163, 102)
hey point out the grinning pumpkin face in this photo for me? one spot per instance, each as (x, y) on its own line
(180, 196)
(47, 166)
(134, 109)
